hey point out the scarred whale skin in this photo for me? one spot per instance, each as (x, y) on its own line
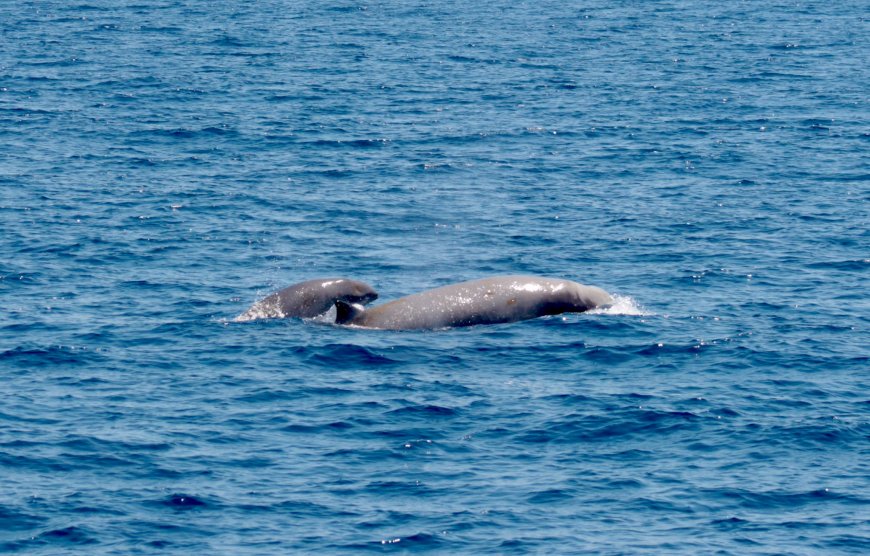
(493, 300)
(309, 299)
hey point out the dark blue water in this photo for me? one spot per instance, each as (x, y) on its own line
(164, 163)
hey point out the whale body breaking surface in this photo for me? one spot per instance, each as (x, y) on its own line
(493, 300)
(309, 299)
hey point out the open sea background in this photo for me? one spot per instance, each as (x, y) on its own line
(164, 163)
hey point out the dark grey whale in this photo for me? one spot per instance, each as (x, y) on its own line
(493, 300)
(309, 299)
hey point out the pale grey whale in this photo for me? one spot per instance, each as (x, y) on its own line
(309, 299)
(498, 299)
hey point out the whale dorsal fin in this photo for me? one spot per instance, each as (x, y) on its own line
(345, 313)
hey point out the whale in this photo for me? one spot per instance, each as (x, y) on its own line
(493, 300)
(309, 299)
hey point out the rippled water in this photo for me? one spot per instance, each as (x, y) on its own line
(165, 163)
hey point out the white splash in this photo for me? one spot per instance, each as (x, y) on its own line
(622, 305)
(327, 317)
(260, 310)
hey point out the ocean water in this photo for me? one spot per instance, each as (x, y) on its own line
(165, 163)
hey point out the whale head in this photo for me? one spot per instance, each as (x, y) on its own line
(584, 298)
(356, 292)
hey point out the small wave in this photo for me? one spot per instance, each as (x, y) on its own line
(857, 265)
(341, 355)
(52, 355)
(767, 500)
(13, 520)
(425, 411)
(418, 541)
(182, 501)
(550, 496)
(71, 535)
(622, 305)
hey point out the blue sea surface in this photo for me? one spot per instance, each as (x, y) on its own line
(165, 163)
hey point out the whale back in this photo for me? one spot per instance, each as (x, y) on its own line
(492, 300)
